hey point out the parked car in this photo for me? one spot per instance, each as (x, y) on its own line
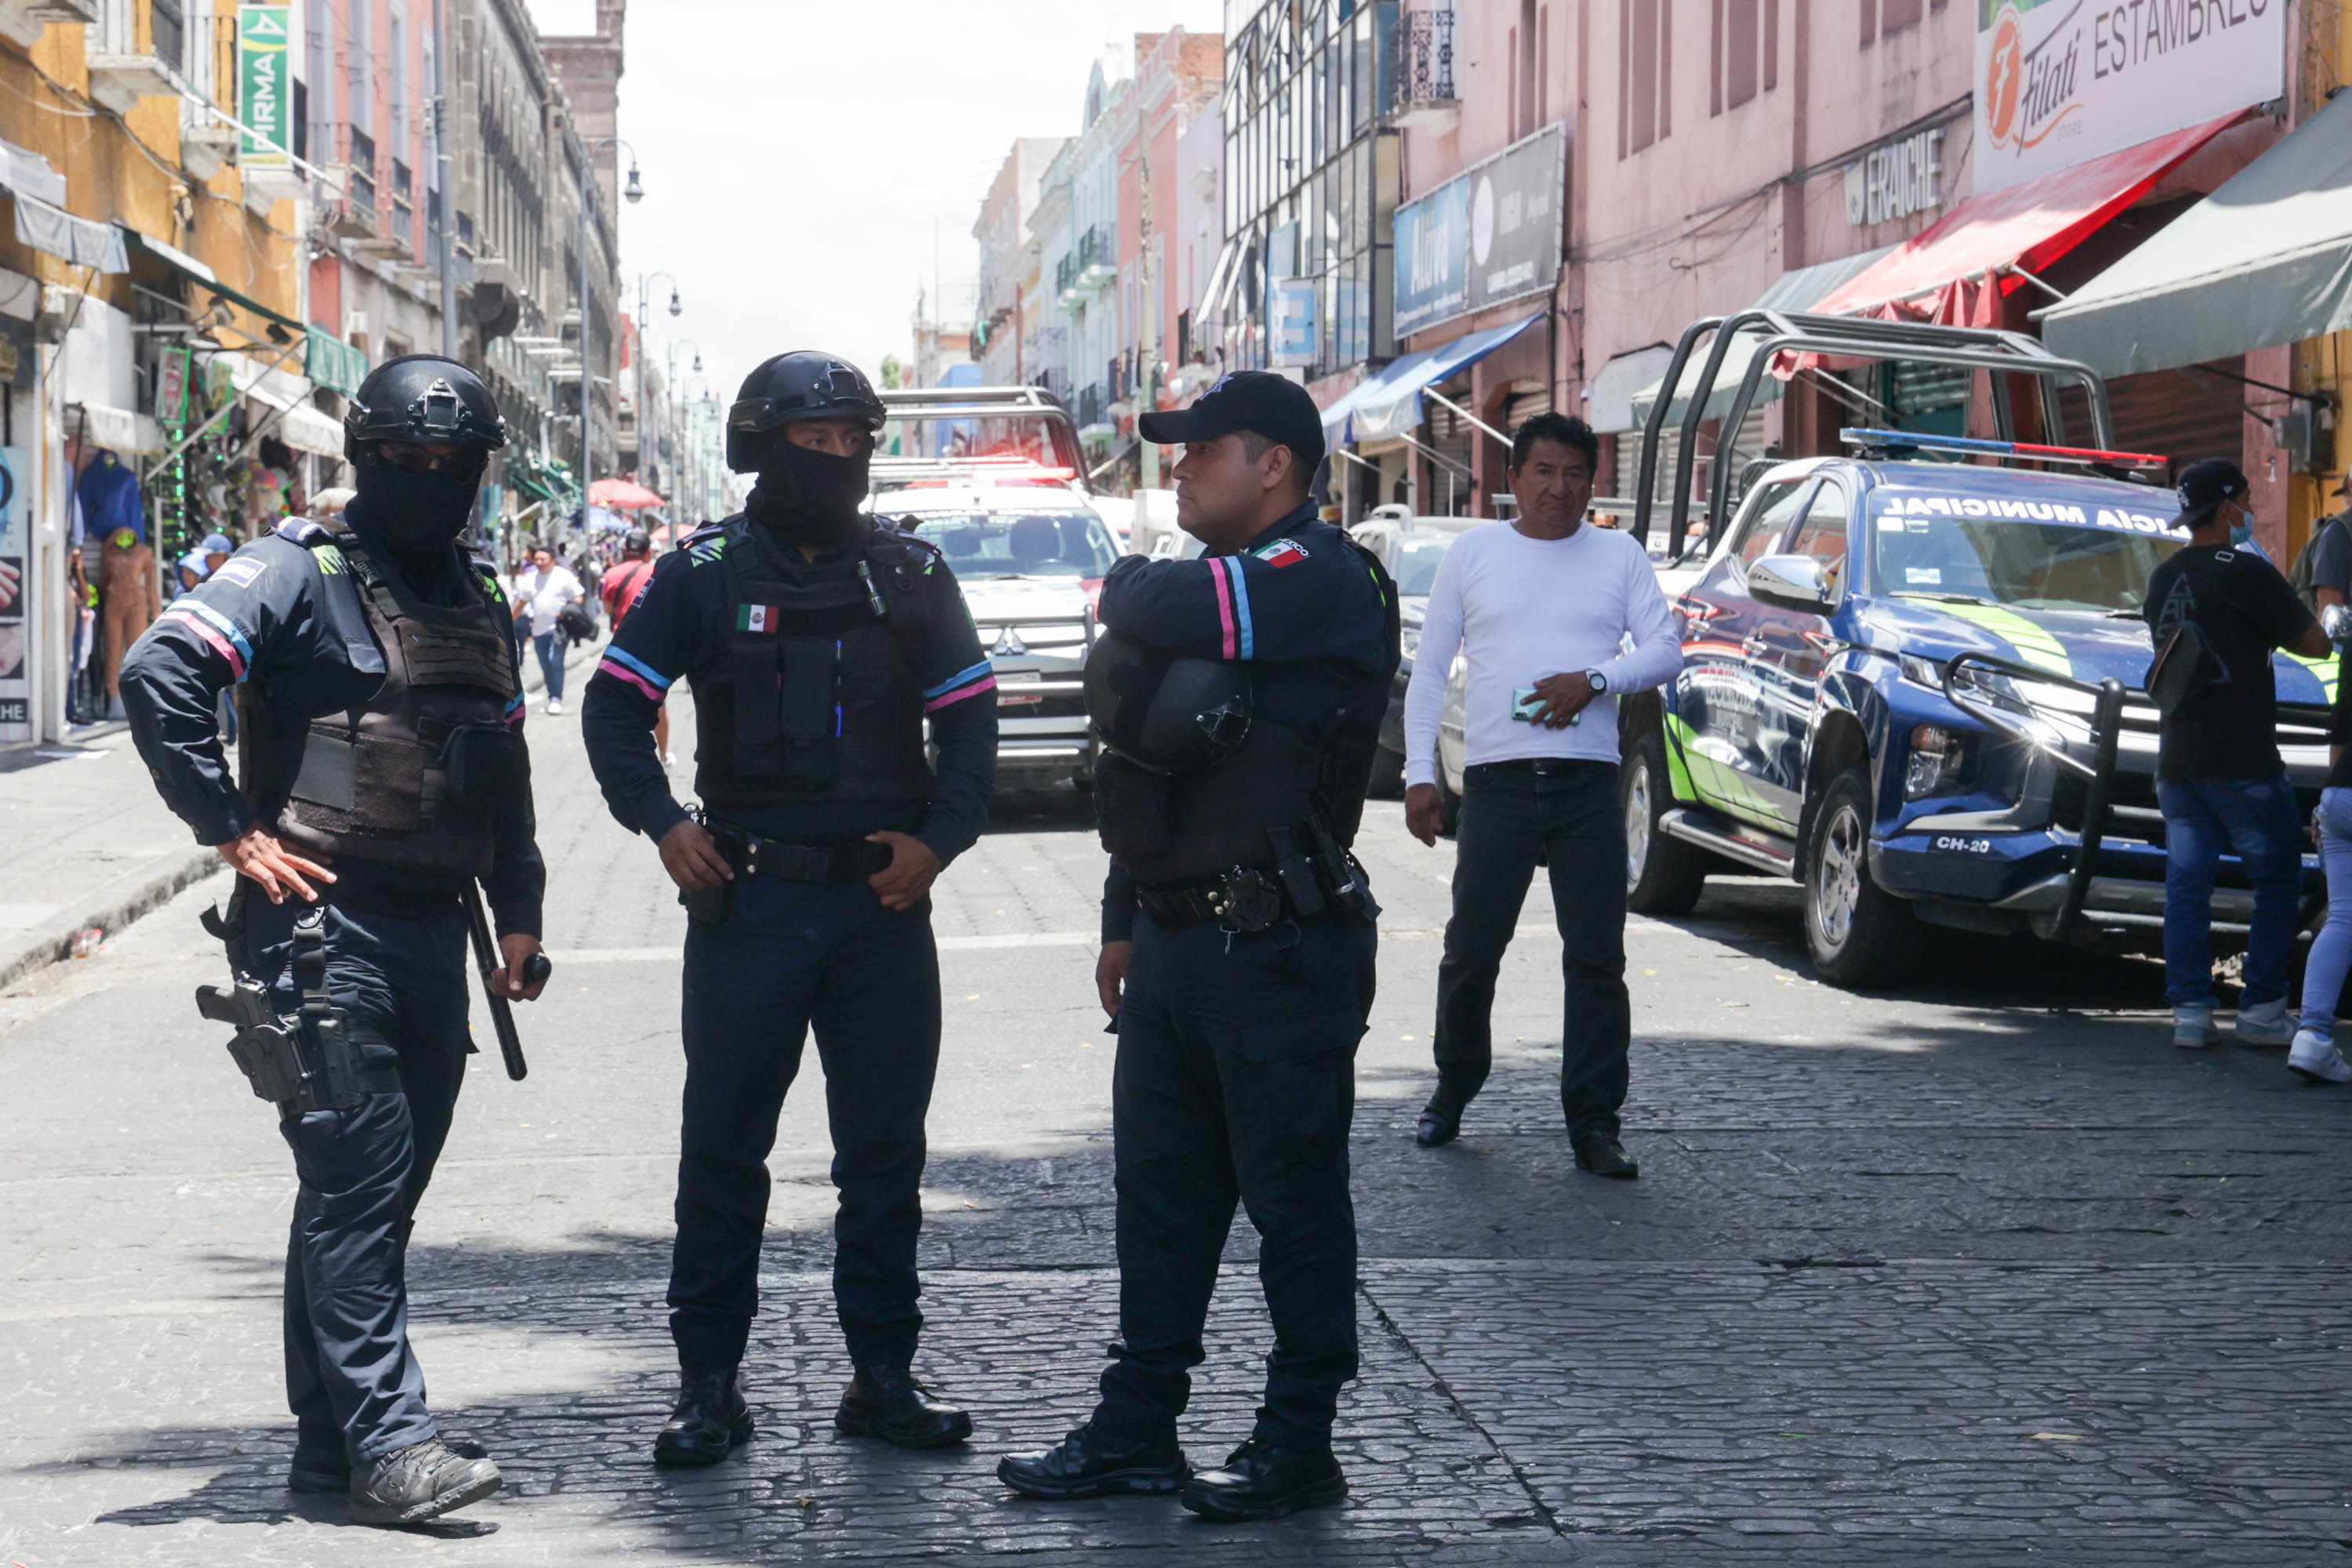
(1410, 548)
(1031, 563)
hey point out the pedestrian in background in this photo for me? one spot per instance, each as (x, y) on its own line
(1541, 606)
(619, 590)
(2218, 612)
(2313, 1055)
(2322, 573)
(541, 592)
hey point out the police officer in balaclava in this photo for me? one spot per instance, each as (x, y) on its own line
(381, 771)
(816, 645)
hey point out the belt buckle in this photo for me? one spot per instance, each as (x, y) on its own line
(1245, 901)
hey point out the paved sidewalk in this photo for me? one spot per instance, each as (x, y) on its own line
(91, 843)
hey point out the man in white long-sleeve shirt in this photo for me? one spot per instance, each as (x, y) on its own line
(1557, 619)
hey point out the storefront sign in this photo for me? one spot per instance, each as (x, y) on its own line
(332, 363)
(16, 583)
(1290, 305)
(264, 94)
(2060, 82)
(171, 388)
(1895, 181)
(1489, 236)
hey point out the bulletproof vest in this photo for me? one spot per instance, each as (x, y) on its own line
(820, 694)
(417, 778)
(1172, 827)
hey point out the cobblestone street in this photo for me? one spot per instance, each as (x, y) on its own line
(1985, 1273)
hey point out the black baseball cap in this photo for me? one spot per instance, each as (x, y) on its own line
(2205, 484)
(1271, 406)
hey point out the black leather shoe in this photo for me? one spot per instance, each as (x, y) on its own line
(1085, 1465)
(1602, 1155)
(1262, 1481)
(886, 1401)
(1441, 1118)
(422, 1481)
(708, 1422)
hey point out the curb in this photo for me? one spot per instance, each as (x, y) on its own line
(117, 906)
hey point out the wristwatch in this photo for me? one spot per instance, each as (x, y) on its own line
(1598, 682)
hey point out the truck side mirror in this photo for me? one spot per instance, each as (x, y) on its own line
(1800, 582)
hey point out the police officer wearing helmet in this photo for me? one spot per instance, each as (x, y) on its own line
(1239, 697)
(816, 645)
(382, 770)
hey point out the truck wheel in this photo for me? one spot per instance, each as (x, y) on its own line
(1860, 934)
(1388, 775)
(1664, 874)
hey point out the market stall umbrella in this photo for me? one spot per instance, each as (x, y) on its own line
(622, 495)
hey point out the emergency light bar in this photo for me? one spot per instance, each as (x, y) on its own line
(2083, 457)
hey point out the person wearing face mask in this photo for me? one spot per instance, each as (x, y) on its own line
(2218, 775)
(381, 772)
(816, 644)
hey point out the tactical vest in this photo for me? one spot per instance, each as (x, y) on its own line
(820, 694)
(1169, 830)
(417, 778)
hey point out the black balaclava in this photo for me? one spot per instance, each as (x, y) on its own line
(807, 497)
(415, 517)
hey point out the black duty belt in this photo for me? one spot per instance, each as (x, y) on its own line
(1312, 872)
(827, 865)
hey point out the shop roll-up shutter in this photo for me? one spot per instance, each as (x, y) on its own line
(1450, 434)
(1529, 398)
(2195, 412)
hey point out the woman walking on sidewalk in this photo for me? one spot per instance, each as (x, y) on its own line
(542, 593)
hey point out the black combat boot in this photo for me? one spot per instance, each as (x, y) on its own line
(708, 1422)
(886, 1401)
(1262, 1481)
(1087, 1464)
(422, 1481)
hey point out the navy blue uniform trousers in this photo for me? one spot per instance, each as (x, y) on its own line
(788, 956)
(351, 1377)
(1573, 816)
(1236, 1082)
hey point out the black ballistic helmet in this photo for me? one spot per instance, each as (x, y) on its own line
(1171, 713)
(803, 384)
(424, 397)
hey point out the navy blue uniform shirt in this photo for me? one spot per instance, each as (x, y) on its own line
(287, 618)
(680, 628)
(1297, 603)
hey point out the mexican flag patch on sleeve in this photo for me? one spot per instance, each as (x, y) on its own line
(759, 618)
(1283, 552)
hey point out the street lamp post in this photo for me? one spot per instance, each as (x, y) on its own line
(645, 308)
(669, 382)
(634, 190)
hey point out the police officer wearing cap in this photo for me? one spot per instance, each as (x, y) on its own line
(816, 644)
(381, 771)
(1239, 697)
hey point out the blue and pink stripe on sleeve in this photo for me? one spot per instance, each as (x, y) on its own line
(216, 630)
(971, 682)
(631, 670)
(1238, 636)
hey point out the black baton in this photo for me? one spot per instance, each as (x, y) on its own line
(535, 968)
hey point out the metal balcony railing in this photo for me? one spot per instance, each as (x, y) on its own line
(1421, 68)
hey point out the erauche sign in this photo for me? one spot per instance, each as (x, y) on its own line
(1897, 179)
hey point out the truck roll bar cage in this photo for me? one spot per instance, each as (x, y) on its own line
(1847, 337)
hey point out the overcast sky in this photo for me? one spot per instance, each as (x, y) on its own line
(802, 157)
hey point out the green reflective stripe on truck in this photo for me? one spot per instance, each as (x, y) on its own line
(1710, 780)
(1677, 773)
(2324, 669)
(2033, 646)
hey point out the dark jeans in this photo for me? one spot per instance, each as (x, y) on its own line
(352, 1380)
(1572, 814)
(1235, 1083)
(551, 647)
(786, 957)
(2260, 821)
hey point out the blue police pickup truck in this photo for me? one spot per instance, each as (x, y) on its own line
(1912, 682)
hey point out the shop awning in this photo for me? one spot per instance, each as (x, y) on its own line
(55, 232)
(2264, 260)
(1955, 270)
(622, 495)
(115, 429)
(1609, 395)
(1389, 403)
(203, 277)
(1799, 288)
